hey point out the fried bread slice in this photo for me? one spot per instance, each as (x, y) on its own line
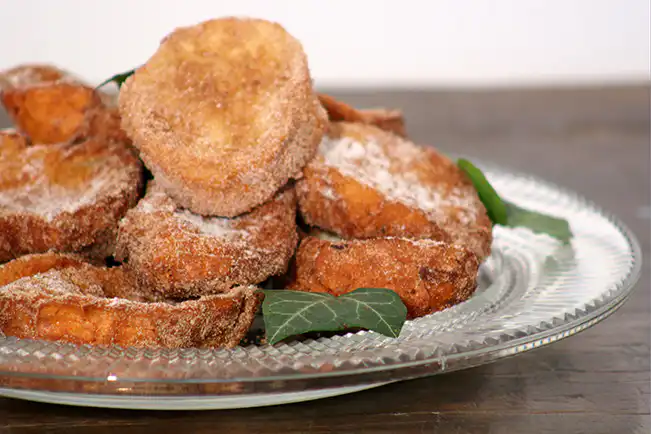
(367, 183)
(224, 114)
(50, 105)
(30, 265)
(427, 275)
(181, 254)
(84, 304)
(387, 120)
(47, 104)
(62, 197)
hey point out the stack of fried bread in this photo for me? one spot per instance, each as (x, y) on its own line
(225, 118)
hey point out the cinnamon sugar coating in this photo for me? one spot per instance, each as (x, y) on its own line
(179, 254)
(105, 306)
(224, 114)
(30, 265)
(63, 197)
(427, 275)
(366, 183)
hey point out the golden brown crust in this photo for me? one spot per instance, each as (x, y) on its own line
(30, 265)
(62, 197)
(51, 112)
(181, 254)
(367, 183)
(428, 275)
(224, 114)
(105, 306)
(387, 120)
(50, 105)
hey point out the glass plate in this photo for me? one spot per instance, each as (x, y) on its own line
(532, 291)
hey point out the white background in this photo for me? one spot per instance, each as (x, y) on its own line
(359, 42)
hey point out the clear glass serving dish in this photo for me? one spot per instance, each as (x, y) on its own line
(532, 291)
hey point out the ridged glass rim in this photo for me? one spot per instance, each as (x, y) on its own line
(546, 333)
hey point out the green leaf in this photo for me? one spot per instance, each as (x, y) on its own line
(539, 223)
(377, 309)
(118, 79)
(495, 207)
(504, 213)
(288, 313)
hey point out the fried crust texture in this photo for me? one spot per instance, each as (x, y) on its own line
(63, 197)
(84, 304)
(428, 275)
(51, 106)
(30, 265)
(182, 254)
(367, 183)
(224, 114)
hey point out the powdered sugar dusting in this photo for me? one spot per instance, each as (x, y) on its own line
(33, 76)
(50, 285)
(334, 238)
(328, 192)
(325, 235)
(389, 170)
(155, 201)
(419, 242)
(220, 227)
(49, 199)
(157, 236)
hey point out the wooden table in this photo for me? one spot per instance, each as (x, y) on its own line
(595, 141)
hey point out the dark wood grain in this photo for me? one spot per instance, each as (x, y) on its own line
(594, 141)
